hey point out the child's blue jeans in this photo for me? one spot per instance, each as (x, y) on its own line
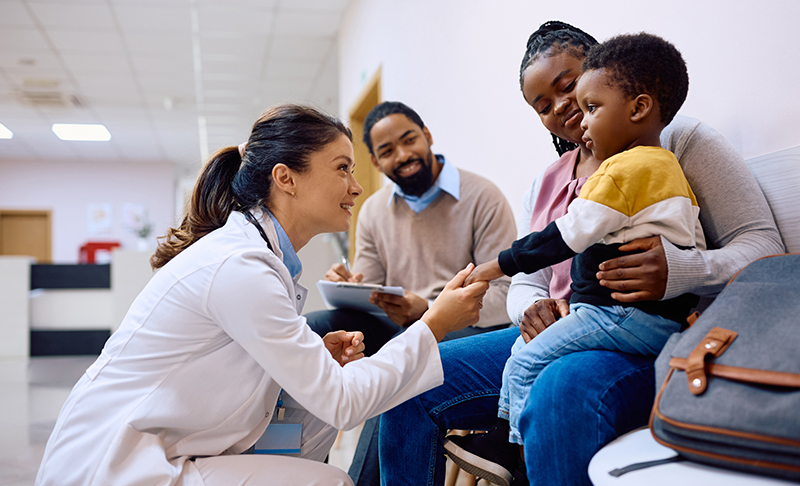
(587, 327)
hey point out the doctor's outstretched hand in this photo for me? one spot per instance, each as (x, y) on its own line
(456, 307)
(345, 346)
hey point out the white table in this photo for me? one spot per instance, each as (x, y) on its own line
(639, 446)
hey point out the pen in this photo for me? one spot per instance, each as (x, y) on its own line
(346, 265)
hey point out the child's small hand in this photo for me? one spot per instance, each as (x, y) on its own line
(485, 272)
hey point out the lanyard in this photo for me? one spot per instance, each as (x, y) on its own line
(247, 214)
(279, 405)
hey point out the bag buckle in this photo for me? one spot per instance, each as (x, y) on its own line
(714, 344)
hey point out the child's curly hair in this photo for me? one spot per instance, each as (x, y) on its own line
(643, 63)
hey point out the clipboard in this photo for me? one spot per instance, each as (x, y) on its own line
(348, 295)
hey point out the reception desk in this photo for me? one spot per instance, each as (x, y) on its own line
(66, 309)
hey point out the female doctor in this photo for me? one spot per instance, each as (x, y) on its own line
(214, 349)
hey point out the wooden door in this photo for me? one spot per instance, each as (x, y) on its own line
(26, 233)
(370, 178)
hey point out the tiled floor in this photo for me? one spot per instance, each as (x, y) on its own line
(31, 395)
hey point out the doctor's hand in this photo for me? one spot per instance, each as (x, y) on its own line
(340, 273)
(540, 315)
(403, 310)
(345, 346)
(456, 307)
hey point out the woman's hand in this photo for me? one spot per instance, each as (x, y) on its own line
(637, 277)
(485, 272)
(345, 346)
(541, 315)
(456, 307)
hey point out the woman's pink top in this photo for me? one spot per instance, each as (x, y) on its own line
(557, 190)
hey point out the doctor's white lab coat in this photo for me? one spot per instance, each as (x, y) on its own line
(196, 367)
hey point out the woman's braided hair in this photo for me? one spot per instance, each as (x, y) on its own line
(551, 38)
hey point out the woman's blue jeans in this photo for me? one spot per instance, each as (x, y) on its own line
(579, 403)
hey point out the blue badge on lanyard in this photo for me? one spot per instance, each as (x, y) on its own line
(280, 438)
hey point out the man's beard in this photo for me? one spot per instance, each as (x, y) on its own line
(416, 184)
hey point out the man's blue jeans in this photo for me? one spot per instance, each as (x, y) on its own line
(578, 404)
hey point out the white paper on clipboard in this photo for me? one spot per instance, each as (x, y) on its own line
(347, 295)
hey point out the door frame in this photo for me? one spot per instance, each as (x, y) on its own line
(47, 213)
(367, 175)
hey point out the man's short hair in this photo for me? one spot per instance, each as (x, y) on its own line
(643, 63)
(381, 111)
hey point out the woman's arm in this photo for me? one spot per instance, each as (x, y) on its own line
(736, 219)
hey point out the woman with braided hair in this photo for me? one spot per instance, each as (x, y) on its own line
(584, 400)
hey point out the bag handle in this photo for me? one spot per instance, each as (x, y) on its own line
(714, 343)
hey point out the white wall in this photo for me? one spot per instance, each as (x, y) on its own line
(457, 63)
(68, 190)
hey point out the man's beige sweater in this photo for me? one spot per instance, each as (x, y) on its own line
(422, 251)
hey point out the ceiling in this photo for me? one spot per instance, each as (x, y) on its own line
(172, 80)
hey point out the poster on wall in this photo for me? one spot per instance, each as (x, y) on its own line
(99, 219)
(135, 218)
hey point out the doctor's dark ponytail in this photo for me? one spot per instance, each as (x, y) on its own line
(230, 181)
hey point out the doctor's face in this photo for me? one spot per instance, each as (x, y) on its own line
(327, 191)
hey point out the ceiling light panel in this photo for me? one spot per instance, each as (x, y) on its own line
(81, 132)
(5, 133)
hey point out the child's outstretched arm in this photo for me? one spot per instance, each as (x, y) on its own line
(485, 272)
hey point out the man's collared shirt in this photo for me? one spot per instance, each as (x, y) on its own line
(448, 181)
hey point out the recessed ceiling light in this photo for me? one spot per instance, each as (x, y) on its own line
(5, 133)
(81, 132)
